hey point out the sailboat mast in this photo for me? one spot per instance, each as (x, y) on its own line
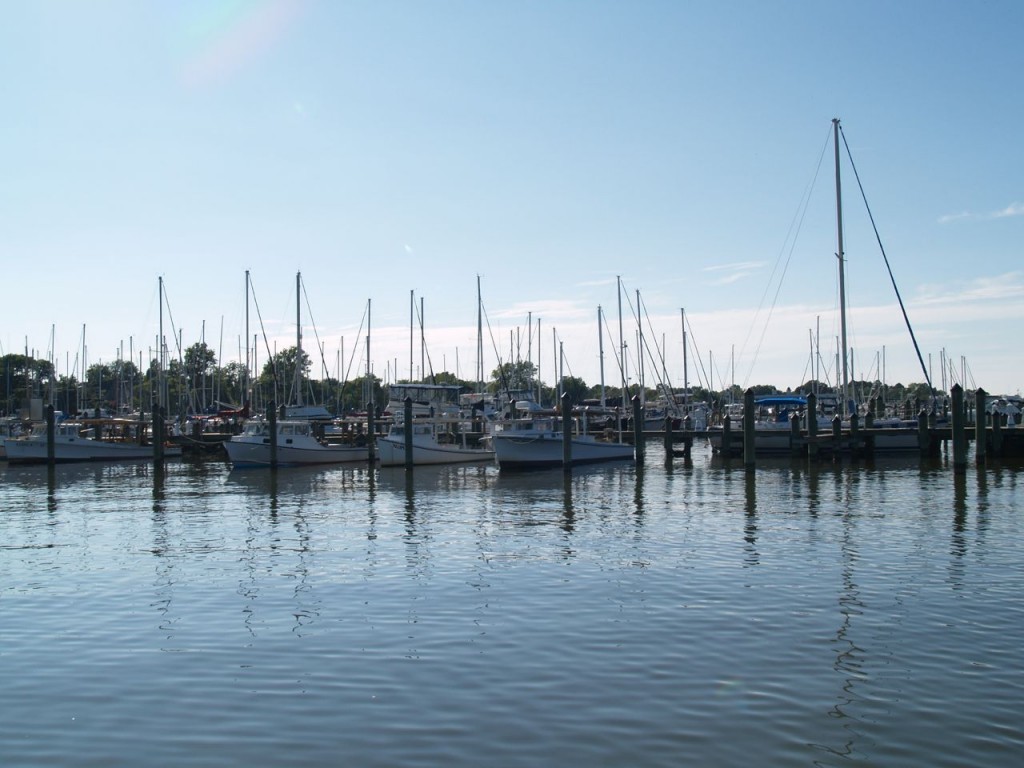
(640, 348)
(622, 342)
(298, 339)
(245, 376)
(686, 374)
(479, 339)
(842, 271)
(600, 352)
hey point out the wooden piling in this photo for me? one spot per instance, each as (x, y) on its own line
(980, 446)
(638, 429)
(159, 427)
(749, 436)
(959, 430)
(407, 428)
(272, 419)
(566, 432)
(997, 433)
(923, 433)
(812, 426)
(51, 448)
(371, 429)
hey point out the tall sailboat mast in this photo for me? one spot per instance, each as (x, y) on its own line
(479, 339)
(600, 353)
(842, 271)
(245, 376)
(298, 339)
(686, 376)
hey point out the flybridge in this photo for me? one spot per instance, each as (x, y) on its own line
(427, 399)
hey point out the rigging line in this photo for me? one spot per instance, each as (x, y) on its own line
(636, 319)
(504, 383)
(355, 347)
(319, 345)
(266, 341)
(797, 223)
(177, 341)
(666, 381)
(612, 342)
(426, 348)
(878, 237)
(700, 362)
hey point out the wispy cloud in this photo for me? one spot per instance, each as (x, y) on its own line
(1013, 209)
(732, 273)
(600, 283)
(737, 265)
(982, 289)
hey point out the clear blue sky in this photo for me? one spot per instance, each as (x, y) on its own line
(548, 147)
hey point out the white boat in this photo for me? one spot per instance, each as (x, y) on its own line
(10, 428)
(433, 442)
(428, 400)
(110, 440)
(297, 445)
(538, 442)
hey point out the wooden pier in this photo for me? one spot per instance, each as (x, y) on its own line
(992, 437)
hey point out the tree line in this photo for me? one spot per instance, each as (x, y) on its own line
(196, 384)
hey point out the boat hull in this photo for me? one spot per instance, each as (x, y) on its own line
(34, 451)
(517, 451)
(392, 453)
(257, 454)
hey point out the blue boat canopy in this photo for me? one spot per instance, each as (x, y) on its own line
(780, 400)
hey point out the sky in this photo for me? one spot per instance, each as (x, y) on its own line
(674, 159)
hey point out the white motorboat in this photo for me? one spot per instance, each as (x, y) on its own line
(297, 445)
(432, 443)
(538, 442)
(10, 428)
(106, 440)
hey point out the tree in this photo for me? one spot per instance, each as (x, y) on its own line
(279, 370)
(232, 377)
(575, 388)
(511, 376)
(200, 361)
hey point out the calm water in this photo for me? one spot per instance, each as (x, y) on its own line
(671, 616)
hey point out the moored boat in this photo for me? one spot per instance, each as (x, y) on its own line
(433, 442)
(10, 428)
(297, 445)
(95, 440)
(538, 442)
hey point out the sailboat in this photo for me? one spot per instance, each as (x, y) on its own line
(299, 437)
(537, 440)
(299, 409)
(889, 435)
(437, 429)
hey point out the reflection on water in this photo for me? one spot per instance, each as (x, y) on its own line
(798, 613)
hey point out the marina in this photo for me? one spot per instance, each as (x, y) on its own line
(511, 385)
(622, 614)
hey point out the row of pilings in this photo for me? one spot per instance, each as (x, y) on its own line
(989, 434)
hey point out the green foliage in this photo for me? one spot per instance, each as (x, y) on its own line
(513, 376)
(575, 388)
